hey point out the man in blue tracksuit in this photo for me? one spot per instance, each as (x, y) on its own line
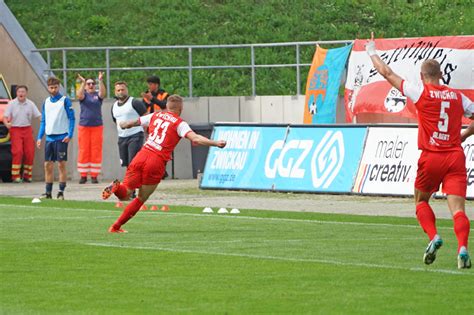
(57, 122)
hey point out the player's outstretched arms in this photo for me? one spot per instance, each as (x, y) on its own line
(200, 140)
(468, 132)
(394, 79)
(129, 124)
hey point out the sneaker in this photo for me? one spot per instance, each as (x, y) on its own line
(60, 195)
(83, 180)
(464, 261)
(109, 190)
(430, 252)
(26, 180)
(17, 180)
(46, 196)
(94, 180)
(114, 230)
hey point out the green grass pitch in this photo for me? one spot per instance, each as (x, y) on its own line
(56, 257)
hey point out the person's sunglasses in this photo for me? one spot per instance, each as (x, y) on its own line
(90, 83)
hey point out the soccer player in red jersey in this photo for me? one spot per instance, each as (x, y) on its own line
(165, 129)
(442, 160)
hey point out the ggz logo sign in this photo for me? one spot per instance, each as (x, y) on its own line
(288, 160)
(327, 159)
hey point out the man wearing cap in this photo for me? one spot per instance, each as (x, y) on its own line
(154, 98)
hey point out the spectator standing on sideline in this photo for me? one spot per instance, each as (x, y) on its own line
(165, 130)
(126, 108)
(57, 122)
(154, 98)
(442, 160)
(90, 129)
(18, 117)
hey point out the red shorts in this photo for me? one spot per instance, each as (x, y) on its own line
(448, 168)
(147, 168)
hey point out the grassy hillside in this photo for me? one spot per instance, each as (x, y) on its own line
(64, 23)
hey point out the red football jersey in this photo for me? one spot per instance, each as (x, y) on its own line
(165, 129)
(440, 111)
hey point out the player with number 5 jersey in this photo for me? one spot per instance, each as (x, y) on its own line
(165, 130)
(442, 160)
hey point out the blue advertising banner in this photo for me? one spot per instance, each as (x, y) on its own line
(313, 159)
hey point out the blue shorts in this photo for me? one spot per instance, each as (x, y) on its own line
(55, 151)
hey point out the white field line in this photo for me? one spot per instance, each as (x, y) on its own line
(258, 241)
(293, 259)
(236, 217)
(31, 218)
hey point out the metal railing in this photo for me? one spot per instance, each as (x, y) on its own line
(190, 67)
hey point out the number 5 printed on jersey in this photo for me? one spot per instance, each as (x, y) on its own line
(444, 118)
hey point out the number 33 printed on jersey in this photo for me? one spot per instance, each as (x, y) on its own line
(159, 131)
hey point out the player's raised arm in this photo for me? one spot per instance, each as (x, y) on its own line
(394, 79)
(200, 140)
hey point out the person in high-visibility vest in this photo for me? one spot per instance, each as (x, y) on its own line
(90, 130)
(154, 98)
(18, 117)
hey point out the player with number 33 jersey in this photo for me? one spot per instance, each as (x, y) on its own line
(165, 130)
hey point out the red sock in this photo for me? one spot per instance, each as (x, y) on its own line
(461, 228)
(121, 192)
(426, 218)
(128, 213)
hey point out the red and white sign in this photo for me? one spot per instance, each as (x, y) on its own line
(368, 92)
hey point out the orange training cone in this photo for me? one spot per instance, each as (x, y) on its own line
(165, 208)
(143, 207)
(153, 208)
(119, 204)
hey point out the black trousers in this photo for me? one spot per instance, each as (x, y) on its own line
(129, 147)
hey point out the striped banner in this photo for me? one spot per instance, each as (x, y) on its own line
(322, 85)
